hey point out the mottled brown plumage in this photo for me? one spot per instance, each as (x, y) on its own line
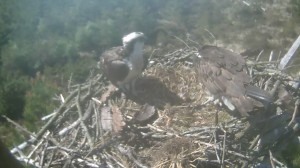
(122, 65)
(224, 74)
(113, 65)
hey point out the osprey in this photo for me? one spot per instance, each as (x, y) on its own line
(224, 74)
(122, 65)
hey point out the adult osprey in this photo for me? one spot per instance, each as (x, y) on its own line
(224, 74)
(122, 65)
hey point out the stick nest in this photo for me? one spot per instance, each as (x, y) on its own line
(166, 125)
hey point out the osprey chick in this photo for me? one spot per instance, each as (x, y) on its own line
(122, 65)
(224, 74)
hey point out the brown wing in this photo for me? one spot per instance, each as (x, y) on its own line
(223, 73)
(114, 65)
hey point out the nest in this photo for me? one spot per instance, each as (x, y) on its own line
(166, 125)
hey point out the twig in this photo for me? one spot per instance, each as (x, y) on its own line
(229, 151)
(296, 110)
(211, 34)
(70, 82)
(271, 159)
(86, 115)
(224, 147)
(81, 119)
(42, 159)
(37, 146)
(288, 56)
(53, 119)
(128, 152)
(19, 126)
(74, 137)
(181, 41)
(216, 146)
(271, 56)
(259, 55)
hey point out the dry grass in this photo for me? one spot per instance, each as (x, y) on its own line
(97, 127)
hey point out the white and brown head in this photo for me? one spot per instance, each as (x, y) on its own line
(124, 64)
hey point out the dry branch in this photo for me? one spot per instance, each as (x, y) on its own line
(96, 127)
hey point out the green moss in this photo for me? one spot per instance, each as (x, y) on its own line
(291, 155)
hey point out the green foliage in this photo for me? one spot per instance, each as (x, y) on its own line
(12, 100)
(10, 135)
(7, 20)
(38, 101)
(291, 155)
(296, 7)
(79, 71)
(15, 60)
(97, 35)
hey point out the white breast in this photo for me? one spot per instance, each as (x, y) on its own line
(136, 59)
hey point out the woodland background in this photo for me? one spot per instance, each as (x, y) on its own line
(45, 43)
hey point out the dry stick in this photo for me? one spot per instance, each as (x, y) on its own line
(229, 151)
(18, 126)
(271, 56)
(271, 159)
(74, 138)
(224, 147)
(81, 118)
(278, 162)
(259, 55)
(42, 160)
(199, 130)
(51, 159)
(87, 163)
(179, 39)
(216, 146)
(62, 98)
(24, 144)
(150, 58)
(216, 134)
(97, 120)
(261, 64)
(212, 35)
(288, 56)
(128, 152)
(86, 115)
(45, 128)
(37, 146)
(254, 142)
(53, 119)
(70, 81)
(274, 89)
(267, 84)
(297, 103)
(108, 156)
(65, 149)
(28, 161)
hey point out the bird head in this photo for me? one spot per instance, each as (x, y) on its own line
(132, 40)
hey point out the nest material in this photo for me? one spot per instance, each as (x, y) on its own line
(166, 125)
